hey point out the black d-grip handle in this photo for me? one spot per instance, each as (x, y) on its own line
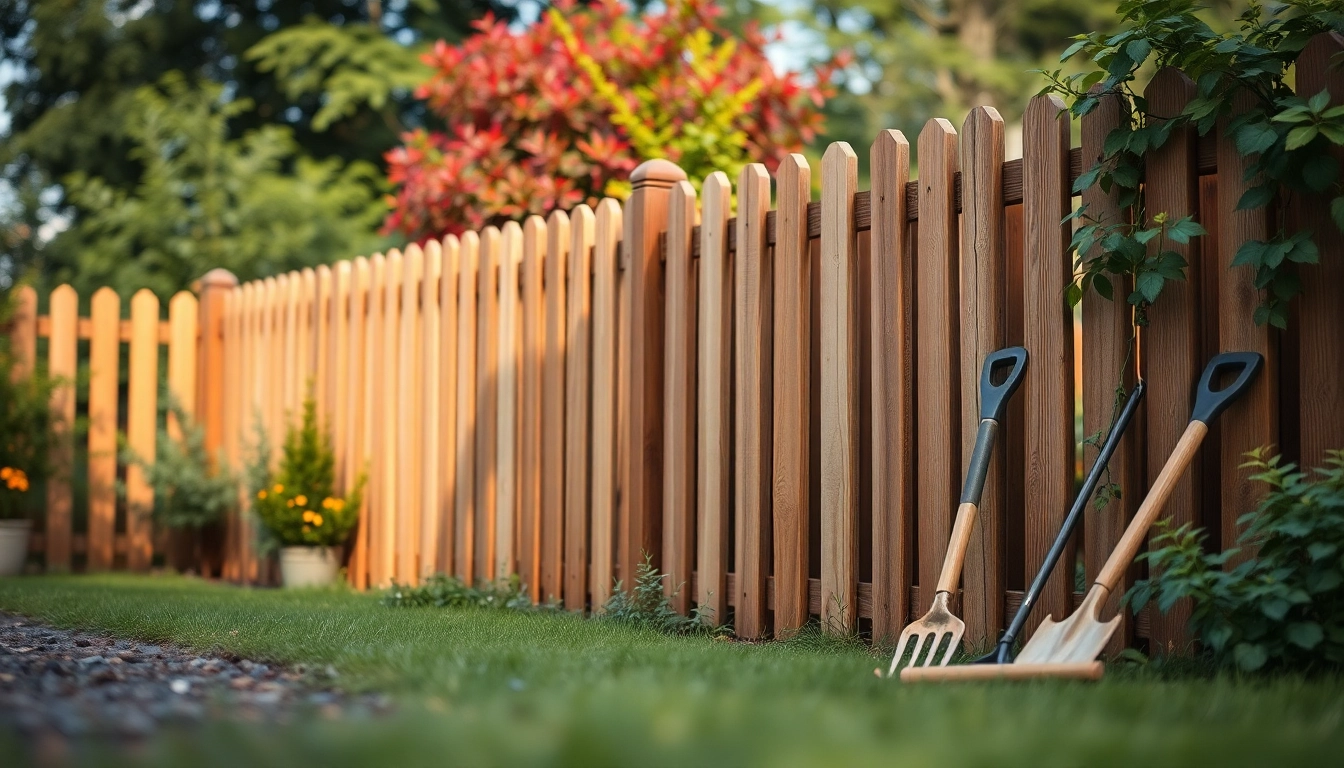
(994, 398)
(1208, 402)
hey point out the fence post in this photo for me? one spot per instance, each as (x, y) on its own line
(214, 292)
(642, 492)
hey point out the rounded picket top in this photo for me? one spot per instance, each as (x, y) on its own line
(656, 173)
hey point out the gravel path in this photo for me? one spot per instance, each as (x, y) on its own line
(59, 683)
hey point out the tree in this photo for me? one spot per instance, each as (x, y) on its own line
(77, 66)
(253, 204)
(561, 113)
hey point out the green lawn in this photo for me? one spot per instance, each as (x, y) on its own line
(481, 688)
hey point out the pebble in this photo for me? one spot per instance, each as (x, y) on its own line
(63, 685)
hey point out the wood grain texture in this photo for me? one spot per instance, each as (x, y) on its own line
(410, 419)
(358, 444)
(183, 321)
(1172, 339)
(983, 313)
(714, 464)
(1252, 421)
(937, 363)
(1108, 365)
(142, 415)
(792, 469)
(753, 292)
(645, 220)
(290, 365)
(533, 332)
(487, 402)
(104, 376)
(1047, 388)
(552, 531)
(323, 331)
(447, 299)
(1320, 391)
(374, 424)
(341, 372)
(431, 419)
(382, 567)
(839, 391)
(214, 289)
(605, 381)
(511, 518)
(893, 386)
(464, 499)
(679, 406)
(62, 365)
(578, 414)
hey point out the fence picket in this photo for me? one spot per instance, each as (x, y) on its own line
(448, 359)
(753, 291)
(1173, 334)
(410, 419)
(359, 441)
(464, 499)
(323, 330)
(487, 402)
(679, 400)
(1107, 365)
(552, 533)
(605, 405)
(577, 419)
(1047, 389)
(938, 412)
(892, 324)
(23, 332)
(104, 374)
(431, 464)
(714, 402)
(141, 425)
(510, 549)
(839, 391)
(62, 364)
(533, 333)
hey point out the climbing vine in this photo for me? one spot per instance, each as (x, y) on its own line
(1287, 139)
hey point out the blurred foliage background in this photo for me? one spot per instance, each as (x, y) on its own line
(143, 142)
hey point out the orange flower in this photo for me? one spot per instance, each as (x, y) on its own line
(261, 494)
(5, 472)
(317, 520)
(301, 500)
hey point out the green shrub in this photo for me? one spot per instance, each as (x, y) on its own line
(443, 591)
(189, 490)
(1282, 608)
(647, 605)
(298, 504)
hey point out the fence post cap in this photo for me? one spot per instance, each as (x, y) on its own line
(217, 278)
(657, 173)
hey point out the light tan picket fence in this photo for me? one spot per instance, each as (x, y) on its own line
(776, 406)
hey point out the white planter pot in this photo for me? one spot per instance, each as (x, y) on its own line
(13, 546)
(309, 566)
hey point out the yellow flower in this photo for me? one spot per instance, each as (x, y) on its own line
(338, 504)
(327, 502)
(261, 494)
(317, 520)
(278, 488)
(301, 500)
(307, 515)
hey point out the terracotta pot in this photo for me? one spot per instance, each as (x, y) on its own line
(14, 546)
(309, 566)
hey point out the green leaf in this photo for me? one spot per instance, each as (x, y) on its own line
(1320, 101)
(1249, 656)
(1116, 141)
(1337, 212)
(1073, 294)
(1320, 174)
(1250, 254)
(1073, 49)
(1254, 138)
(1102, 285)
(1126, 176)
(1185, 229)
(1139, 49)
(1300, 136)
(1304, 634)
(1304, 252)
(1275, 609)
(1256, 197)
(1319, 550)
(1149, 285)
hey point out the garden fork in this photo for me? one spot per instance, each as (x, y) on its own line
(939, 624)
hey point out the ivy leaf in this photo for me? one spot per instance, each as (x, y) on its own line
(1149, 285)
(1254, 138)
(1102, 285)
(1320, 101)
(1086, 179)
(1126, 176)
(1300, 136)
(1073, 294)
(1337, 212)
(1185, 229)
(1256, 197)
(1079, 44)
(1249, 656)
(1250, 254)
(1304, 634)
(1275, 608)
(1116, 141)
(1319, 550)
(1304, 252)
(1139, 49)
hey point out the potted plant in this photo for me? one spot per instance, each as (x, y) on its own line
(298, 505)
(26, 425)
(190, 491)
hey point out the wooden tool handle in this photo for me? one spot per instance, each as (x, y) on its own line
(956, 548)
(1137, 531)
(1087, 670)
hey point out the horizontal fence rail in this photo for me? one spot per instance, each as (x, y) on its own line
(773, 404)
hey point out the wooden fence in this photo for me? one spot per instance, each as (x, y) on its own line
(775, 406)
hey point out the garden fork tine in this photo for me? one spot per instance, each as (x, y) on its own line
(939, 623)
